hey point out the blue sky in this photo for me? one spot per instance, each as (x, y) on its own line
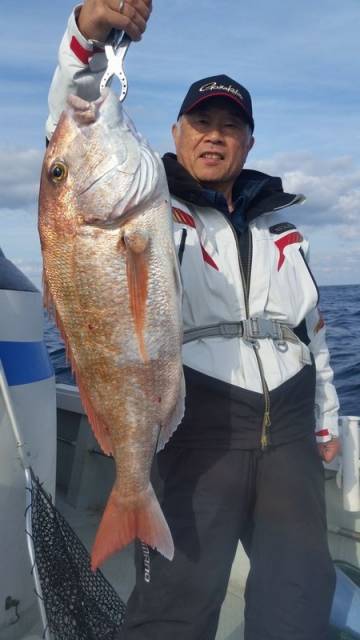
(300, 62)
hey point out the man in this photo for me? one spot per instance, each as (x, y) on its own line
(244, 463)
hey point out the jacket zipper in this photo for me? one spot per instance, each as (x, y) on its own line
(266, 421)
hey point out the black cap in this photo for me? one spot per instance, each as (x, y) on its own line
(218, 86)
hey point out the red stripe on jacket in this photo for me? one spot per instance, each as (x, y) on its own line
(207, 258)
(323, 433)
(319, 325)
(185, 218)
(290, 238)
(81, 53)
(182, 216)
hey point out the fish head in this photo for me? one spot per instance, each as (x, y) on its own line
(97, 168)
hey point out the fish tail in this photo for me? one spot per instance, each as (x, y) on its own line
(122, 523)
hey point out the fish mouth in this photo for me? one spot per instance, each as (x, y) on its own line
(83, 111)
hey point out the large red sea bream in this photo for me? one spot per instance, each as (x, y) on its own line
(111, 275)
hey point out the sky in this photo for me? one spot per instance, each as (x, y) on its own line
(299, 60)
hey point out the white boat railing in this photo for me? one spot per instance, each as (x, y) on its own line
(350, 440)
(347, 463)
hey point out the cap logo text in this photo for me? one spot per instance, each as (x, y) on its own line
(214, 86)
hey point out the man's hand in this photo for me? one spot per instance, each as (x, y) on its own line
(329, 450)
(98, 17)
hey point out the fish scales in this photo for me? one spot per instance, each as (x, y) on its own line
(111, 275)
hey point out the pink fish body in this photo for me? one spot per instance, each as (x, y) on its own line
(111, 274)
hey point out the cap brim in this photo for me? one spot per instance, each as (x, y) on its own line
(215, 94)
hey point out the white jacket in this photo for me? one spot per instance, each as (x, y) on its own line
(281, 284)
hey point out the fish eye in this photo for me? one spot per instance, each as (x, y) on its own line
(58, 171)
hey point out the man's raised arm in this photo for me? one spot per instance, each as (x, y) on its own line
(81, 60)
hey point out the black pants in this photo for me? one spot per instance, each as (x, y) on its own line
(274, 503)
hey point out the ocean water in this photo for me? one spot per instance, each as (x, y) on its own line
(340, 307)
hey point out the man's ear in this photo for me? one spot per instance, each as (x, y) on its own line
(251, 143)
(175, 132)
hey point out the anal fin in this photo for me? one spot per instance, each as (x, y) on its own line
(100, 429)
(173, 419)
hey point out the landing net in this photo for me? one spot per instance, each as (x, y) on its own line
(79, 604)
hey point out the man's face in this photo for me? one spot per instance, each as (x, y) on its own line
(212, 143)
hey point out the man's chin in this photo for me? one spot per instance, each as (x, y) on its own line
(210, 182)
(210, 177)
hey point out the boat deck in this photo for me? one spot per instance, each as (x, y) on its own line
(81, 501)
(119, 569)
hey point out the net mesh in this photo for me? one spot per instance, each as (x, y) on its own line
(79, 604)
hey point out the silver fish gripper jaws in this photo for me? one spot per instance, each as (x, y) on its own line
(115, 50)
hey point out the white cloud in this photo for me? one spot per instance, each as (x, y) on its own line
(19, 177)
(19, 240)
(331, 187)
(330, 216)
(336, 265)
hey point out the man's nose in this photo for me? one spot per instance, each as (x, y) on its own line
(215, 135)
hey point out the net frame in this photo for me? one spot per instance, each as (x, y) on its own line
(80, 604)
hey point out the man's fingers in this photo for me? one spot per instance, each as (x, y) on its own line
(135, 24)
(98, 17)
(132, 17)
(143, 7)
(329, 450)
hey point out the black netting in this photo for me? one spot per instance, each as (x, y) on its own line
(80, 604)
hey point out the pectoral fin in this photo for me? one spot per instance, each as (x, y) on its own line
(137, 269)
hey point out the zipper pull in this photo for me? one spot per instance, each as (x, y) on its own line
(265, 430)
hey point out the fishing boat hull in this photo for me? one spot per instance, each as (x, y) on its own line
(31, 385)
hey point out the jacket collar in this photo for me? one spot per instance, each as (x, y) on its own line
(262, 193)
